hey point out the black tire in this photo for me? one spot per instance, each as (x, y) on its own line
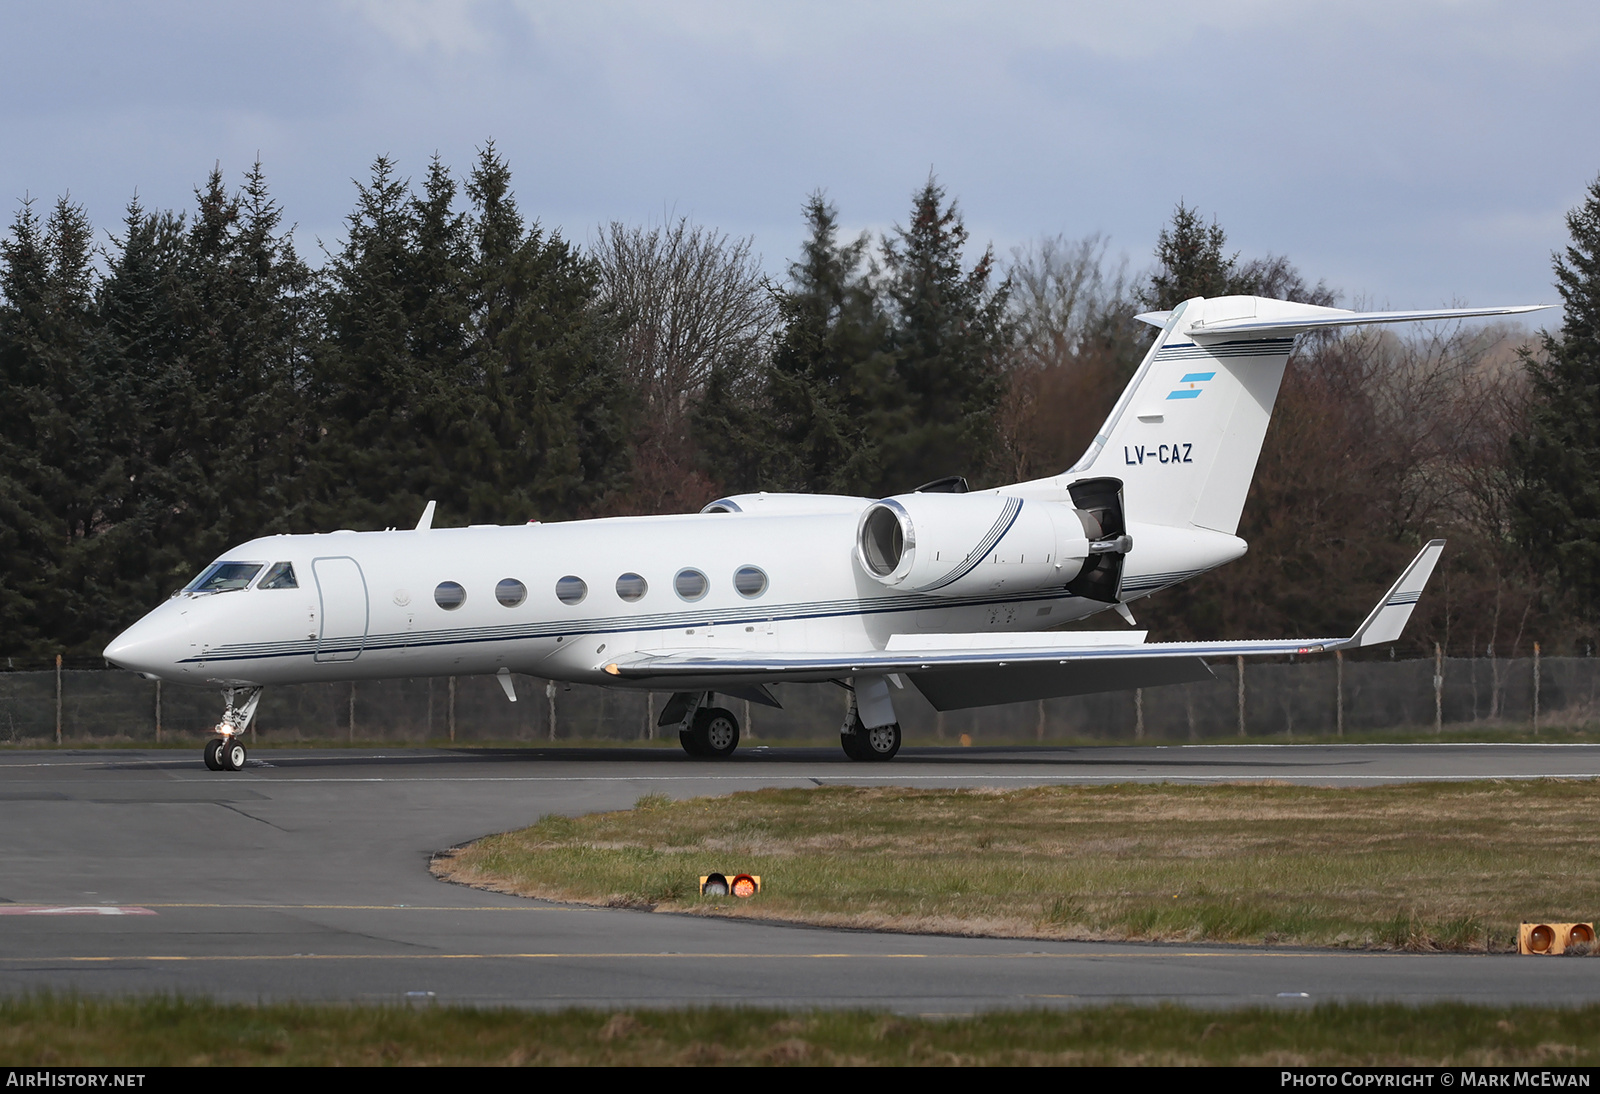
(232, 755)
(690, 745)
(212, 754)
(881, 743)
(716, 732)
(851, 743)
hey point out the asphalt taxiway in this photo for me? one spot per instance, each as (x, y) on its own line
(305, 877)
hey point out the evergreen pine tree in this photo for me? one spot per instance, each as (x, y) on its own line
(950, 334)
(1190, 262)
(1558, 457)
(831, 388)
(550, 437)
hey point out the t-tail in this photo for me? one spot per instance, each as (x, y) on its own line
(1184, 438)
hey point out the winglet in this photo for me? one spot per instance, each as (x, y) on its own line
(1389, 618)
(427, 518)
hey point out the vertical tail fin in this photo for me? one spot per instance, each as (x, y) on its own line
(1186, 433)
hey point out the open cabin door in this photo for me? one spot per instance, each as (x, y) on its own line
(343, 591)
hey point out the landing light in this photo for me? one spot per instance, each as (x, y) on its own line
(742, 885)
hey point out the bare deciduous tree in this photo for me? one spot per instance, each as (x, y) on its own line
(693, 299)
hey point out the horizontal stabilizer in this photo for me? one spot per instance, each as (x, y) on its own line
(1308, 317)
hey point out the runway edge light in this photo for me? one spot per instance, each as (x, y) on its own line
(740, 885)
(1543, 939)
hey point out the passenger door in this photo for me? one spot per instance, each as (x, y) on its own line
(342, 589)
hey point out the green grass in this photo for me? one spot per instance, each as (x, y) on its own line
(53, 1031)
(1451, 866)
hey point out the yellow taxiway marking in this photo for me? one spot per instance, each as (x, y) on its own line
(367, 907)
(656, 955)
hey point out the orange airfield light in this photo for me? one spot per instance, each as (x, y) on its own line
(1553, 938)
(739, 885)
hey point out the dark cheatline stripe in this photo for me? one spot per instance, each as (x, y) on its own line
(886, 605)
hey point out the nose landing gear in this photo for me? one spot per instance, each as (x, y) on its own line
(226, 752)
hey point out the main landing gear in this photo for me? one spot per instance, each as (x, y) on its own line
(225, 752)
(712, 732)
(869, 696)
(865, 745)
(705, 731)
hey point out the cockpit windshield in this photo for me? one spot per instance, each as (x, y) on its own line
(220, 577)
(281, 576)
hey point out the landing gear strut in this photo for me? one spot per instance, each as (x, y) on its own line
(225, 751)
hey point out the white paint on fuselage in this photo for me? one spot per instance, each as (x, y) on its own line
(817, 599)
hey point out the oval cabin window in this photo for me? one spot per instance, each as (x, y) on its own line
(631, 587)
(449, 596)
(750, 581)
(511, 592)
(571, 590)
(690, 584)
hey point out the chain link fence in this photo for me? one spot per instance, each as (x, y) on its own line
(1322, 697)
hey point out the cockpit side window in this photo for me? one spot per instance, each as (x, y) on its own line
(221, 577)
(281, 576)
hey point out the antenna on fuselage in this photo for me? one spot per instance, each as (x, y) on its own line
(426, 521)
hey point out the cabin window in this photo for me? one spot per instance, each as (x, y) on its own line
(449, 596)
(511, 592)
(750, 581)
(221, 577)
(690, 584)
(631, 587)
(571, 590)
(281, 576)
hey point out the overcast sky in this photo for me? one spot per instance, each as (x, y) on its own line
(1412, 153)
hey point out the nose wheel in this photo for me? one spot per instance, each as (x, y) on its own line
(225, 754)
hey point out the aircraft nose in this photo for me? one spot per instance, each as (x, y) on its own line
(150, 646)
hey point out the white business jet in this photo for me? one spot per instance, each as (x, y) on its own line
(956, 592)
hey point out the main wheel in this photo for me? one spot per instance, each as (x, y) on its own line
(232, 755)
(880, 743)
(716, 732)
(686, 738)
(213, 753)
(851, 743)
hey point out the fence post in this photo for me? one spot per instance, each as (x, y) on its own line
(1138, 714)
(550, 694)
(1338, 660)
(649, 715)
(1240, 662)
(352, 712)
(158, 710)
(1536, 689)
(450, 711)
(58, 698)
(1438, 688)
(749, 723)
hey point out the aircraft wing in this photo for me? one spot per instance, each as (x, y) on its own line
(971, 669)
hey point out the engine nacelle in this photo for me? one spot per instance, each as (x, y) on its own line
(787, 504)
(961, 544)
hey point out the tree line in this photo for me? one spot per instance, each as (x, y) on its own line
(188, 381)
